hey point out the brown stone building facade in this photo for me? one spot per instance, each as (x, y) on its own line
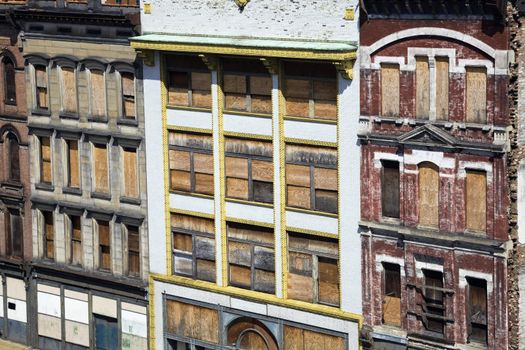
(434, 135)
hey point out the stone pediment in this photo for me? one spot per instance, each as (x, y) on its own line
(428, 135)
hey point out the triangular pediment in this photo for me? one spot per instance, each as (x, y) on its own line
(429, 135)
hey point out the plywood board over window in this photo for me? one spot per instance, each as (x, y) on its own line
(100, 158)
(390, 90)
(428, 194)
(442, 67)
(391, 294)
(131, 185)
(98, 94)
(45, 160)
(476, 200)
(133, 250)
(422, 88)
(390, 189)
(41, 87)
(476, 95)
(48, 228)
(189, 81)
(303, 339)
(10, 81)
(104, 245)
(477, 310)
(69, 90)
(186, 320)
(76, 240)
(73, 164)
(128, 95)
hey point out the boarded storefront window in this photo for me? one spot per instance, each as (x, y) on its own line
(251, 260)
(311, 178)
(189, 81)
(191, 163)
(310, 90)
(313, 269)
(302, 339)
(185, 320)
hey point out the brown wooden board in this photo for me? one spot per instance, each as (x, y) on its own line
(476, 95)
(261, 104)
(442, 71)
(300, 287)
(130, 173)
(293, 338)
(260, 85)
(193, 223)
(204, 183)
(328, 281)
(240, 276)
(422, 88)
(324, 109)
(298, 88)
(237, 167)
(98, 93)
(476, 200)
(236, 102)
(297, 107)
(69, 90)
(236, 188)
(262, 170)
(182, 242)
(264, 281)
(392, 310)
(298, 196)
(325, 90)
(239, 253)
(100, 157)
(325, 179)
(201, 99)
(390, 89)
(428, 194)
(234, 83)
(201, 81)
(298, 175)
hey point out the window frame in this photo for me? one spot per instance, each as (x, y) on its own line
(100, 246)
(67, 174)
(386, 270)
(439, 315)
(384, 214)
(45, 234)
(123, 148)
(36, 105)
(97, 67)
(10, 235)
(94, 185)
(129, 251)
(171, 68)
(123, 118)
(470, 282)
(7, 100)
(41, 179)
(73, 239)
(9, 138)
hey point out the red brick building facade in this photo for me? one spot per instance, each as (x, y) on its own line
(433, 169)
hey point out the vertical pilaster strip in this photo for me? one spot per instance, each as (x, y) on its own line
(279, 133)
(164, 101)
(432, 87)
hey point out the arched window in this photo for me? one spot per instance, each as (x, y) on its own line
(9, 81)
(428, 194)
(13, 157)
(250, 334)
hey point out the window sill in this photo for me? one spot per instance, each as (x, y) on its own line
(66, 115)
(127, 121)
(100, 195)
(312, 212)
(72, 190)
(191, 194)
(248, 202)
(97, 119)
(311, 120)
(187, 108)
(45, 187)
(130, 200)
(389, 220)
(248, 114)
(41, 112)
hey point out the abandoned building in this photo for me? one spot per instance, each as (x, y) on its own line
(435, 137)
(246, 121)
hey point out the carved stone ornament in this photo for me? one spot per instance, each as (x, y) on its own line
(148, 57)
(346, 68)
(242, 3)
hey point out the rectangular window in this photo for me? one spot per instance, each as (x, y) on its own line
(313, 274)
(106, 332)
(98, 94)
(41, 87)
(477, 310)
(14, 233)
(104, 245)
(189, 81)
(476, 95)
(442, 68)
(391, 294)
(48, 235)
(310, 90)
(73, 164)
(191, 163)
(193, 242)
(247, 86)
(476, 200)
(100, 160)
(131, 185)
(311, 178)
(390, 90)
(69, 90)
(309, 339)
(249, 170)
(133, 250)
(75, 232)
(390, 189)
(45, 160)
(251, 261)
(422, 88)
(434, 301)
(128, 95)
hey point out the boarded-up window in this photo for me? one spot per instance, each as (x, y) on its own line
(434, 301)
(422, 88)
(428, 194)
(313, 274)
(476, 200)
(250, 333)
(249, 170)
(247, 86)
(390, 189)
(104, 245)
(41, 87)
(45, 160)
(477, 310)
(193, 247)
(442, 67)
(251, 261)
(310, 90)
(131, 185)
(13, 157)
(48, 235)
(191, 163)
(311, 178)
(303, 339)
(390, 90)
(128, 95)
(191, 321)
(100, 159)
(391, 294)
(476, 95)
(9, 81)
(73, 164)
(189, 81)
(98, 94)
(14, 233)
(133, 250)
(75, 232)
(69, 90)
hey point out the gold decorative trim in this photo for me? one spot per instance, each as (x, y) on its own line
(248, 114)
(271, 64)
(165, 150)
(249, 222)
(245, 51)
(242, 3)
(191, 213)
(151, 311)
(189, 129)
(147, 56)
(255, 204)
(245, 135)
(186, 108)
(189, 194)
(345, 68)
(311, 120)
(312, 212)
(311, 232)
(310, 142)
(282, 176)
(222, 174)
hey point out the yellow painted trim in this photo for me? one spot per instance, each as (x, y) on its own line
(282, 178)
(191, 213)
(260, 297)
(249, 222)
(249, 114)
(189, 194)
(245, 135)
(339, 200)
(242, 201)
(187, 108)
(311, 120)
(312, 212)
(222, 174)
(310, 142)
(189, 129)
(244, 51)
(311, 232)
(151, 310)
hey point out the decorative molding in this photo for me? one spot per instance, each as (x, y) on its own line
(210, 61)
(271, 64)
(241, 3)
(346, 68)
(147, 56)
